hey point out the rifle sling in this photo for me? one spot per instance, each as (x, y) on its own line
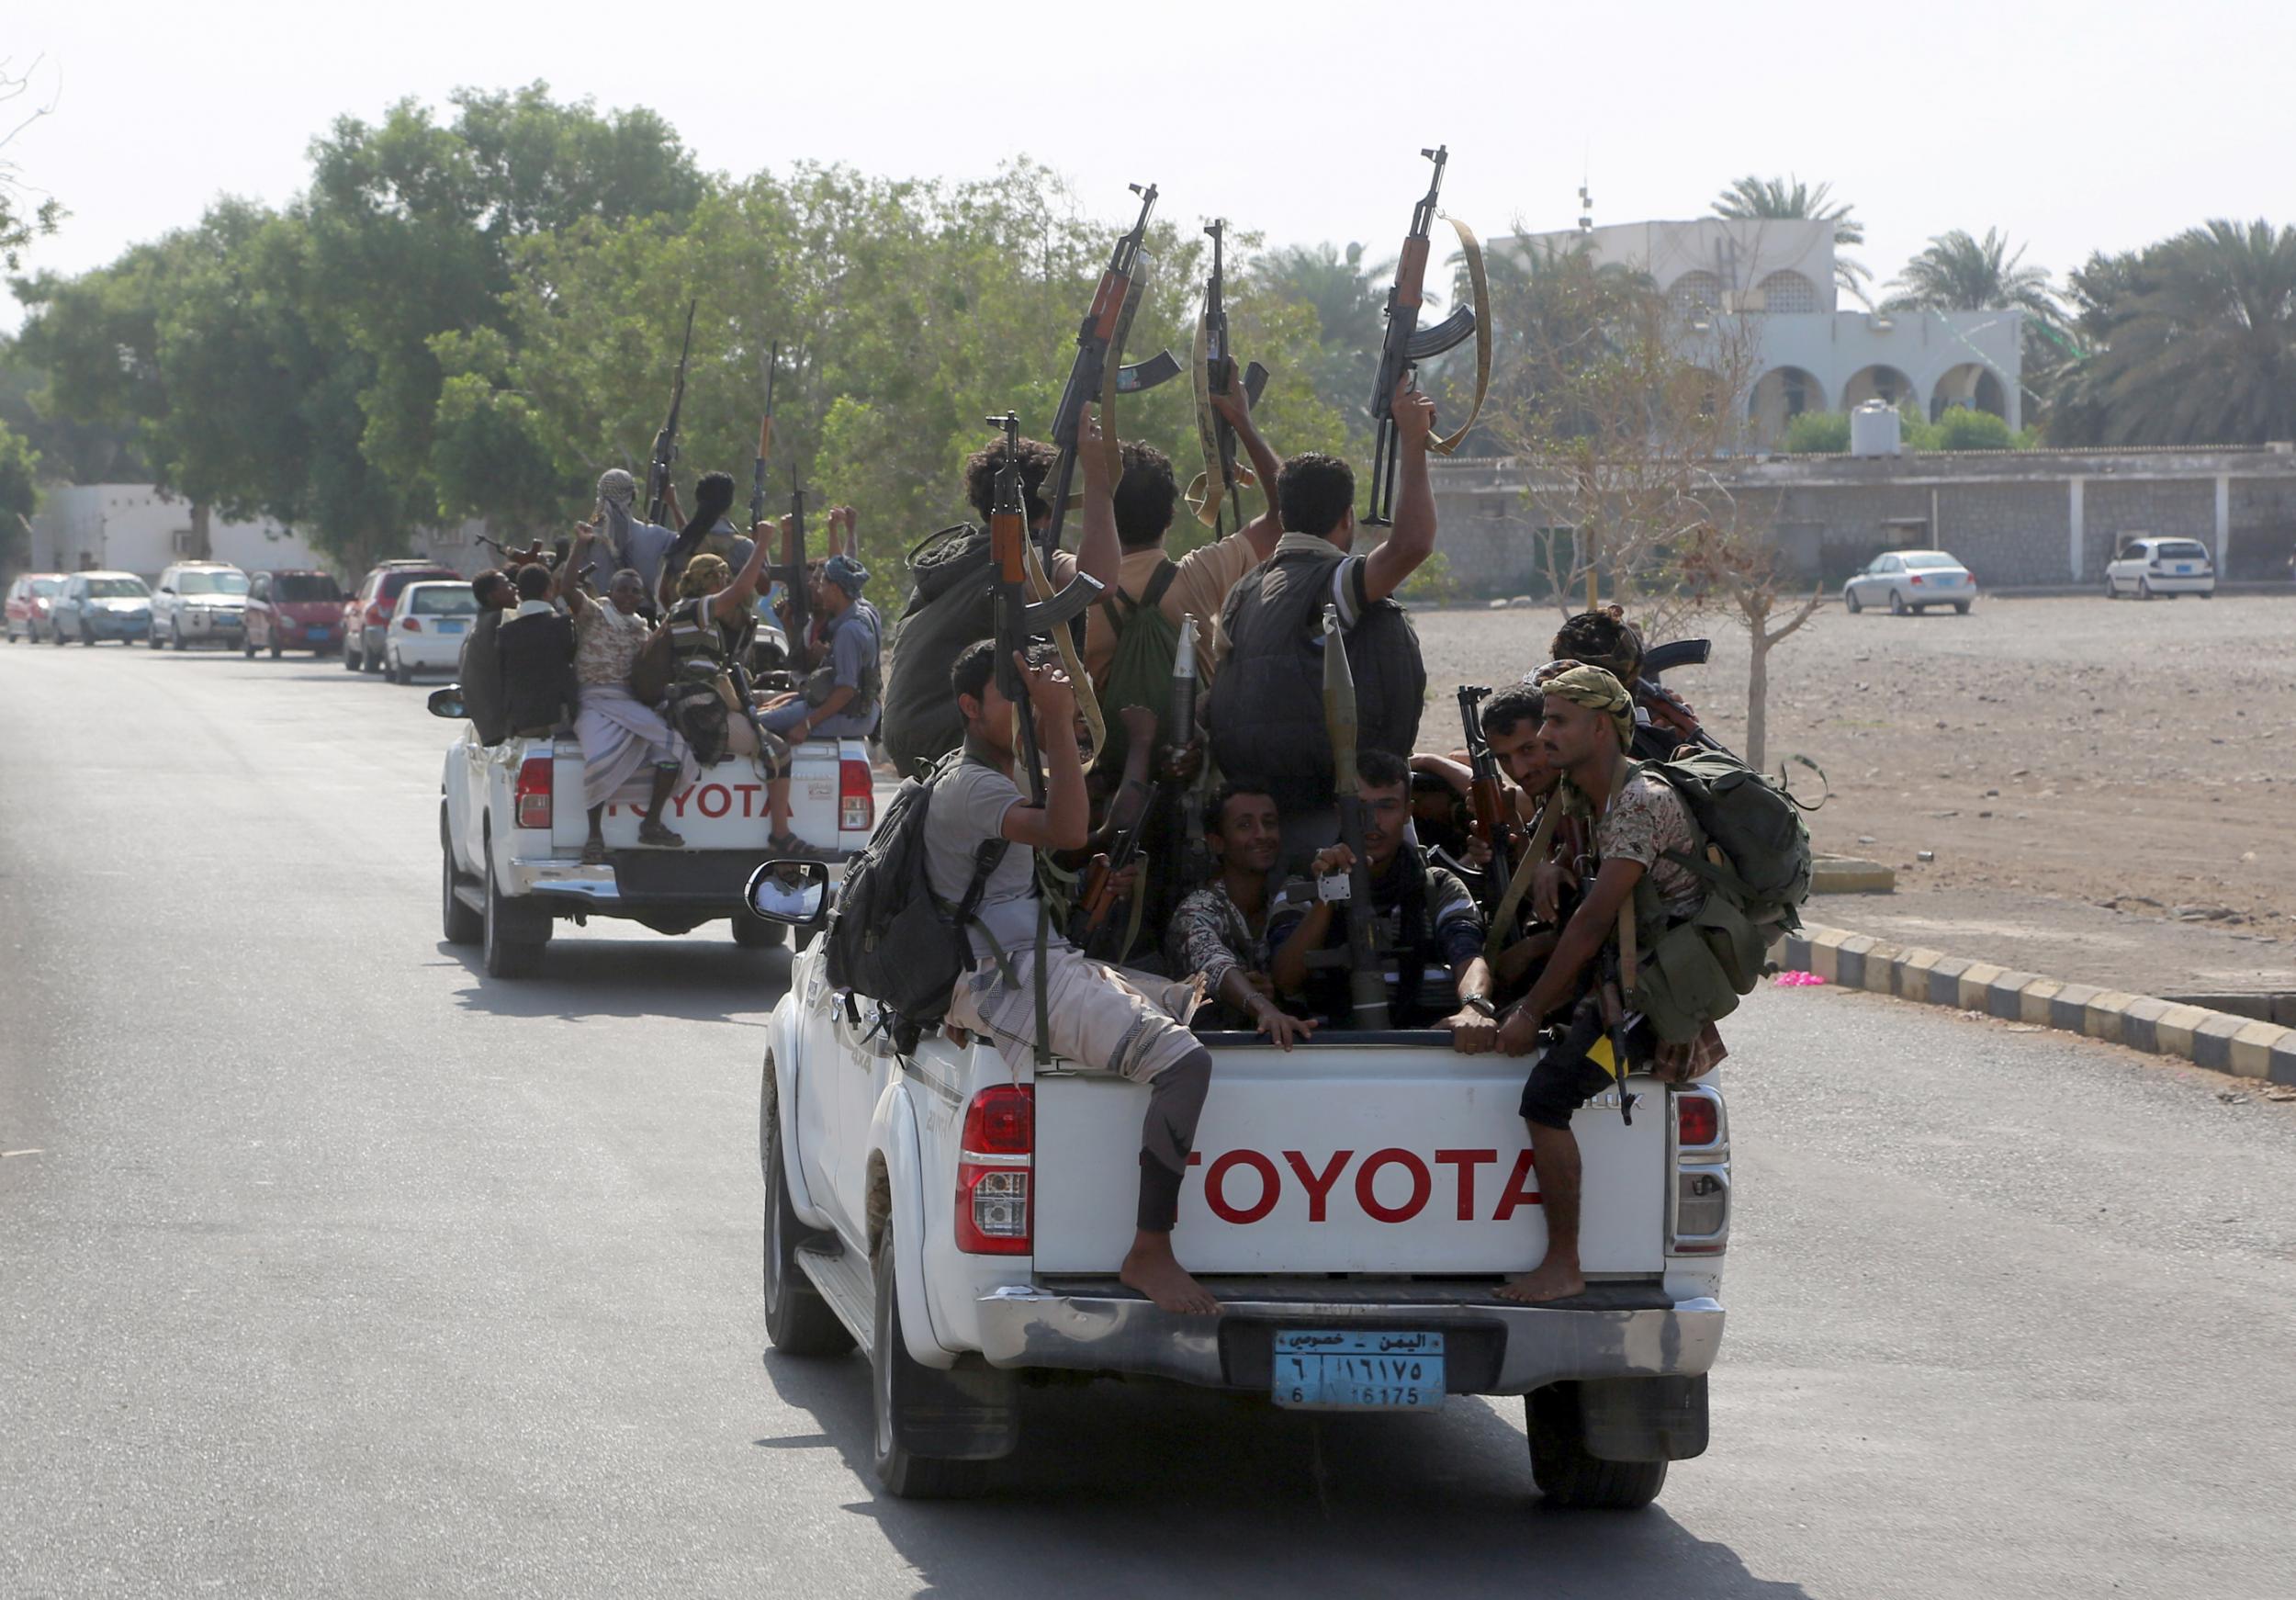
(1542, 839)
(1471, 248)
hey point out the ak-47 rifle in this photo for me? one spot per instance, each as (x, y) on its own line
(1495, 822)
(794, 577)
(1098, 337)
(1220, 487)
(666, 441)
(533, 554)
(1366, 983)
(1127, 822)
(1407, 343)
(765, 440)
(1018, 623)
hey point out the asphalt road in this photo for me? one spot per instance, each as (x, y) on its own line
(328, 1268)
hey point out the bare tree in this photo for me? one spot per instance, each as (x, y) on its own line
(1738, 559)
(22, 218)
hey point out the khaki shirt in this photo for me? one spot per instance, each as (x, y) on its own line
(1199, 588)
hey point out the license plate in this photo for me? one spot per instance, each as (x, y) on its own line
(1332, 1370)
(450, 627)
(2183, 571)
(319, 632)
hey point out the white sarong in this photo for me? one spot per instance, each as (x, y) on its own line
(620, 741)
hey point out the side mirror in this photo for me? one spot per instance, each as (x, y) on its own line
(447, 703)
(796, 893)
(166, 589)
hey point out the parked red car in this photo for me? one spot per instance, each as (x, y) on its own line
(27, 603)
(299, 608)
(367, 614)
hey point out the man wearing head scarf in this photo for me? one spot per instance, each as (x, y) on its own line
(631, 541)
(1588, 728)
(621, 737)
(840, 696)
(1604, 638)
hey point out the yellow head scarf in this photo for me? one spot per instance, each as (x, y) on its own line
(1597, 690)
(702, 575)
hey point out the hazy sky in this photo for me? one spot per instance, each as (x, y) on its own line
(2071, 127)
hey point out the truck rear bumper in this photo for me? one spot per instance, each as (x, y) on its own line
(1613, 1331)
(632, 882)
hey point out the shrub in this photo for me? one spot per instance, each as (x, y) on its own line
(1963, 429)
(1818, 434)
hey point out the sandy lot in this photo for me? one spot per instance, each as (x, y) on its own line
(2103, 783)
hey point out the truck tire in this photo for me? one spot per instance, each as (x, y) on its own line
(894, 1378)
(506, 954)
(797, 1320)
(754, 932)
(459, 923)
(1564, 1471)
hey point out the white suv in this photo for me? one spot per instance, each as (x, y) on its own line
(2148, 566)
(199, 602)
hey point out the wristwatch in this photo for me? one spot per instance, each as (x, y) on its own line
(1481, 1005)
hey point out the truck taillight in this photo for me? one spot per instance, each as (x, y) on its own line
(856, 798)
(530, 794)
(1697, 1119)
(995, 1213)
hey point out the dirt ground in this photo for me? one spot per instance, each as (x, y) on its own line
(2105, 784)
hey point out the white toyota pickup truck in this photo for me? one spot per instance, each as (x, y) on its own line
(511, 826)
(1351, 1203)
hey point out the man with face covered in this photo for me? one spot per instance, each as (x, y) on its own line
(631, 541)
(620, 737)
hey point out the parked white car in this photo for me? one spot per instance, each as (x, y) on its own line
(1911, 581)
(1358, 1201)
(199, 602)
(2148, 566)
(427, 629)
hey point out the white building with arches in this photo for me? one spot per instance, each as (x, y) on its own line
(1807, 353)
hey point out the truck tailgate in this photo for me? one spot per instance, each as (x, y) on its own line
(1339, 1158)
(724, 808)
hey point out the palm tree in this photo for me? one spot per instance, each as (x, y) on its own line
(1790, 199)
(1957, 273)
(1350, 302)
(2200, 339)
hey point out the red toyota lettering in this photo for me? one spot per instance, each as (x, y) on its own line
(1466, 1161)
(1319, 1184)
(1215, 1183)
(1519, 1192)
(1421, 1182)
(725, 800)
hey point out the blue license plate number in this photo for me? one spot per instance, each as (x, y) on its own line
(2183, 571)
(450, 627)
(1342, 1369)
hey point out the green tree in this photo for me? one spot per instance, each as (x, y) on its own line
(1790, 199)
(1959, 273)
(2193, 342)
(19, 496)
(23, 218)
(1349, 300)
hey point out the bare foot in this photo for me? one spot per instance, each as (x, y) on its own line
(1159, 1276)
(1550, 1279)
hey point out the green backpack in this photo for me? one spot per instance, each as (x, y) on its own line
(1693, 973)
(1140, 673)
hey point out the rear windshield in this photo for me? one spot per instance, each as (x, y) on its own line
(116, 589)
(295, 588)
(1929, 559)
(2181, 550)
(395, 581)
(211, 583)
(443, 601)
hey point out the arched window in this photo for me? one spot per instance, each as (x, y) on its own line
(1693, 292)
(1788, 293)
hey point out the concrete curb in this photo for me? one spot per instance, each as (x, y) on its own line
(2216, 1040)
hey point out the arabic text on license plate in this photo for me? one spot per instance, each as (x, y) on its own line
(450, 626)
(1332, 1368)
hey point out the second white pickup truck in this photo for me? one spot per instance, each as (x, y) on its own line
(1353, 1203)
(511, 826)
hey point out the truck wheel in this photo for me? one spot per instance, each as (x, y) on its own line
(506, 955)
(797, 1318)
(1563, 1471)
(459, 923)
(754, 932)
(894, 1378)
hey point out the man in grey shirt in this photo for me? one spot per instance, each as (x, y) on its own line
(839, 700)
(1098, 1016)
(632, 541)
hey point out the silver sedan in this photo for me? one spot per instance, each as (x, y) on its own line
(1911, 581)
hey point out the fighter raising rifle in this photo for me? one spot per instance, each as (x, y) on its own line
(1407, 343)
(666, 441)
(1220, 489)
(1091, 377)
